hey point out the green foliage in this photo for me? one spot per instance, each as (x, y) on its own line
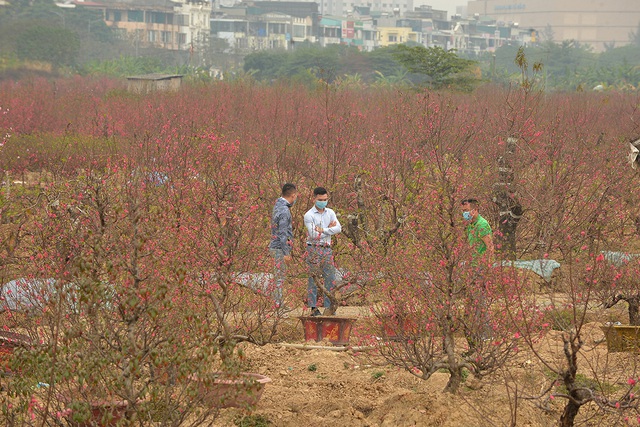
(568, 65)
(465, 375)
(384, 62)
(582, 381)
(125, 66)
(58, 46)
(634, 37)
(252, 421)
(56, 35)
(377, 375)
(267, 65)
(443, 68)
(308, 64)
(563, 319)
(312, 368)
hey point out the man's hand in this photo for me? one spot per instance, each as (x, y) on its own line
(287, 258)
(333, 224)
(319, 229)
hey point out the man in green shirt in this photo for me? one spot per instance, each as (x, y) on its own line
(479, 236)
(478, 231)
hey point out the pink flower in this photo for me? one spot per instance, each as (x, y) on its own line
(631, 382)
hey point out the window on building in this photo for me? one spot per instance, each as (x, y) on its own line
(151, 36)
(114, 15)
(156, 18)
(298, 31)
(183, 20)
(135, 16)
(393, 38)
(166, 37)
(276, 28)
(221, 26)
(182, 38)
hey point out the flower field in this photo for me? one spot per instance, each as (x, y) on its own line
(130, 222)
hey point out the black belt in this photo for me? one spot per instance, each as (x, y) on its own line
(319, 245)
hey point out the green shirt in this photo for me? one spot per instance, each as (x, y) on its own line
(475, 232)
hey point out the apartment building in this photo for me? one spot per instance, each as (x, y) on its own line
(168, 24)
(264, 25)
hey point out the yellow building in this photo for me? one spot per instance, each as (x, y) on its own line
(397, 35)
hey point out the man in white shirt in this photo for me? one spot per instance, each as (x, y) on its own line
(321, 223)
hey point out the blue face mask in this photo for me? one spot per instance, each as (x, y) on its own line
(467, 216)
(321, 205)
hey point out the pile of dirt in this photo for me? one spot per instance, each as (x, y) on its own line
(343, 388)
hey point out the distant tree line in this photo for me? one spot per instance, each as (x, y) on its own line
(570, 65)
(78, 41)
(566, 66)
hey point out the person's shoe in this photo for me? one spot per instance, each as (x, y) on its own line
(315, 312)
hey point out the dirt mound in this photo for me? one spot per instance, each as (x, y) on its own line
(341, 388)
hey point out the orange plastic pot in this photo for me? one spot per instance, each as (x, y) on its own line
(331, 328)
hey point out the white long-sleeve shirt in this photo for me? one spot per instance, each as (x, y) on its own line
(315, 218)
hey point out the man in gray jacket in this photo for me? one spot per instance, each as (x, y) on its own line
(282, 236)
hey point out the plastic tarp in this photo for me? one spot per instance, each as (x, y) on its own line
(542, 267)
(26, 294)
(618, 259)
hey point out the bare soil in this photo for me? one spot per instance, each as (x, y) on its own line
(320, 387)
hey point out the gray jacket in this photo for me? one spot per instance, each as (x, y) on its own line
(281, 227)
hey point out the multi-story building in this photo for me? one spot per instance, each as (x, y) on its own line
(598, 23)
(169, 24)
(348, 7)
(361, 33)
(266, 25)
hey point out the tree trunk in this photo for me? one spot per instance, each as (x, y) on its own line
(510, 209)
(634, 306)
(572, 346)
(455, 379)
(506, 238)
(569, 414)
